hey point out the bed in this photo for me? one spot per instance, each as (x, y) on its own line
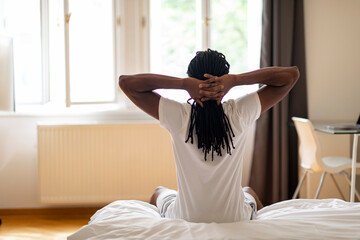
(292, 219)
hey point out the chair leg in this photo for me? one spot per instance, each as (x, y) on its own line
(320, 185)
(349, 182)
(299, 184)
(337, 186)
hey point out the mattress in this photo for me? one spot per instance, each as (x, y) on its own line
(292, 219)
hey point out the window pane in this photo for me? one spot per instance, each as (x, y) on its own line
(173, 35)
(229, 32)
(236, 32)
(91, 47)
(172, 39)
(20, 19)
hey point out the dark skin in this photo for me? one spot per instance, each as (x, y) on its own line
(277, 81)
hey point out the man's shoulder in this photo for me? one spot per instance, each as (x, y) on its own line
(244, 100)
(173, 115)
(245, 107)
(171, 103)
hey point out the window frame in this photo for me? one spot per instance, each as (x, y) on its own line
(131, 33)
(67, 21)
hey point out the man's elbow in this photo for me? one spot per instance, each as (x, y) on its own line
(296, 74)
(123, 82)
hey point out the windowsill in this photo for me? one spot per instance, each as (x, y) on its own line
(103, 112)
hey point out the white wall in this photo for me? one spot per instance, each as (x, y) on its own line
(332, 38)
(333, 50)
(18, 153)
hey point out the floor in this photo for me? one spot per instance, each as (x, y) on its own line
(40, 227)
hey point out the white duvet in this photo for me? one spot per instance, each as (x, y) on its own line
(292, 219)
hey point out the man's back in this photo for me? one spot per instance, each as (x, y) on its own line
(209, 191)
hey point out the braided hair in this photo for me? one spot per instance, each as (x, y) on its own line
(210, 123)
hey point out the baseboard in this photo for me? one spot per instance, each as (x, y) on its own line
(50, 211)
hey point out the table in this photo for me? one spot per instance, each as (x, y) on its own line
(356, 132)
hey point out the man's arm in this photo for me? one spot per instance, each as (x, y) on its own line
(140, 89)
(278, 82)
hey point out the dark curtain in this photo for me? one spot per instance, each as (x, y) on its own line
(274, 173)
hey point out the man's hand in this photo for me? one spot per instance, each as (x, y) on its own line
(191, 85)
(215, 88)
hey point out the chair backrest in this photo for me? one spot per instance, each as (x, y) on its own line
(309, 148)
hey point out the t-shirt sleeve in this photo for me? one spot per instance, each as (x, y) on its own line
(172, 114)
(244, 111)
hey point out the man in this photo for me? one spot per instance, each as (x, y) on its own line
(209, 136)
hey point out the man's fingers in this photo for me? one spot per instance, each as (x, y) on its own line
(205, 86)
(198, 101)
(204, 93)
(218, 97)
(211, 95)
(217, 88)
(211, 86)
(208, 75)
(211, 91)
(212, 80)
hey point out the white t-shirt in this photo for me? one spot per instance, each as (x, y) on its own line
(209, 191)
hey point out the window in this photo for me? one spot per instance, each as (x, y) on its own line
(91, 51)
(180, 28)
(64, 50)
(71, 52)
(174, 39)
(173, 36)
(235, 28)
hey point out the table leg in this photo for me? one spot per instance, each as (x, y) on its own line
(353, 168)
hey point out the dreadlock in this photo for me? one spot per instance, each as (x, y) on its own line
(211, 125)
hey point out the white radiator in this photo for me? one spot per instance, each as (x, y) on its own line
(102, 163)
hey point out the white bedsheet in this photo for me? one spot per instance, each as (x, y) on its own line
(292, 219)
